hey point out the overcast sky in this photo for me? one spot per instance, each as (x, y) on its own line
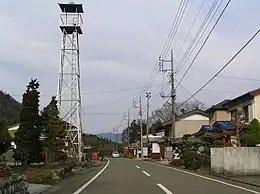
(121, 42)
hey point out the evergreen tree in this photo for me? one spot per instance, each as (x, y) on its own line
(53, 132)
(27, 137)
(5, 139)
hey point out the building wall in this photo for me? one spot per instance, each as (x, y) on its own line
(256, 107)
(196, 117)
(236, 160)
(183, 127)
(219, 115)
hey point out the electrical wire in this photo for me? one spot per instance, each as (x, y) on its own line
(198, 36)
(238, 78)
(179, 19)
(204, 42)
(232, 58)
(189, 31)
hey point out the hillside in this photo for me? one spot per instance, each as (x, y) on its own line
(9, 108)
(111, 136)
(98, 143)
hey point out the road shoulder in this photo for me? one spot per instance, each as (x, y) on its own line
(79, 178)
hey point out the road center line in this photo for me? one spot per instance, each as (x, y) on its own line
(167, 191)
(91, 180)
(146, 173)
(137, 166)
(208, 178)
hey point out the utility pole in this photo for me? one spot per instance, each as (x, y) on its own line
(172, 95)
(117, 138)
(128, 126)
(148, 96)
(141, 123)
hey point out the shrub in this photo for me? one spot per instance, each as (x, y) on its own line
(187, 163)
(189, 155)
(125, 155)
(177, 162)
(45, 177)
(195, 164)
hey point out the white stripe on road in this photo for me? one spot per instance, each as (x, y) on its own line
(146, 173)
(167, 191)
(207, 178)
(137, 166)
(91, 180)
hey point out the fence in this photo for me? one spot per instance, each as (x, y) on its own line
(235, 160)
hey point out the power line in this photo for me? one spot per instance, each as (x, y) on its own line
(179, 19)
(238, 78)
(199, 34)
(189, 31)
(237, 53)
(155, 70)
(165, 49)
(103, 113)
(204, 42)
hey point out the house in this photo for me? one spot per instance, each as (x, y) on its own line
(218, 112)
(187, 123)
(248, 102)
(220, 130)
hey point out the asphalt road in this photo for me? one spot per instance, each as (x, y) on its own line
(124, 176)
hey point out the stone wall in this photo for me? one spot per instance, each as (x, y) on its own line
(236, 160)
(15, 184)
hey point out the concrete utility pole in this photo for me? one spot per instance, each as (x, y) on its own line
(141, 123)
(117, 138)
(141, 126)
(148, 96)
(128, 126)
(172, 95)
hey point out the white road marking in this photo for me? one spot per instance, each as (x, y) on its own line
(167, 191)
(137, 166)
(93, 178)
(207, 178)
(146, 173)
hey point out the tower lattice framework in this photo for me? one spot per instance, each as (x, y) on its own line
(68, 89)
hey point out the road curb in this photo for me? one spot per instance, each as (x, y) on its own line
(215, 175)
(234, 180)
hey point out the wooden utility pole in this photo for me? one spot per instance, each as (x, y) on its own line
(172, 94)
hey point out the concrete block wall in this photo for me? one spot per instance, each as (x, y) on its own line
(217, 160)
(236, 160)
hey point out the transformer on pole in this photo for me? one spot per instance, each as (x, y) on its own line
(68, 89)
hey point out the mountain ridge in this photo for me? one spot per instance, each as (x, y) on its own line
(111, 136)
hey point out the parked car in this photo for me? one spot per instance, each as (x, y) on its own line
(115, 154)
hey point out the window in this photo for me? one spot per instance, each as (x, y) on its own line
(246, 115)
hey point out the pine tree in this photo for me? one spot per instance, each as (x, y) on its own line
(53, 132)
(27, 137)
(5, 139)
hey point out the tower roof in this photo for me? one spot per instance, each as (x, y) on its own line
(71, 7)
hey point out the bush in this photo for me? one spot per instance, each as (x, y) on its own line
(189, 155)
(187, 163)
(45, 177)
(177, 162)
(195, 164)
(125, 155)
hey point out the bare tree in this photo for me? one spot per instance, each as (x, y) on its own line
(165, 114)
